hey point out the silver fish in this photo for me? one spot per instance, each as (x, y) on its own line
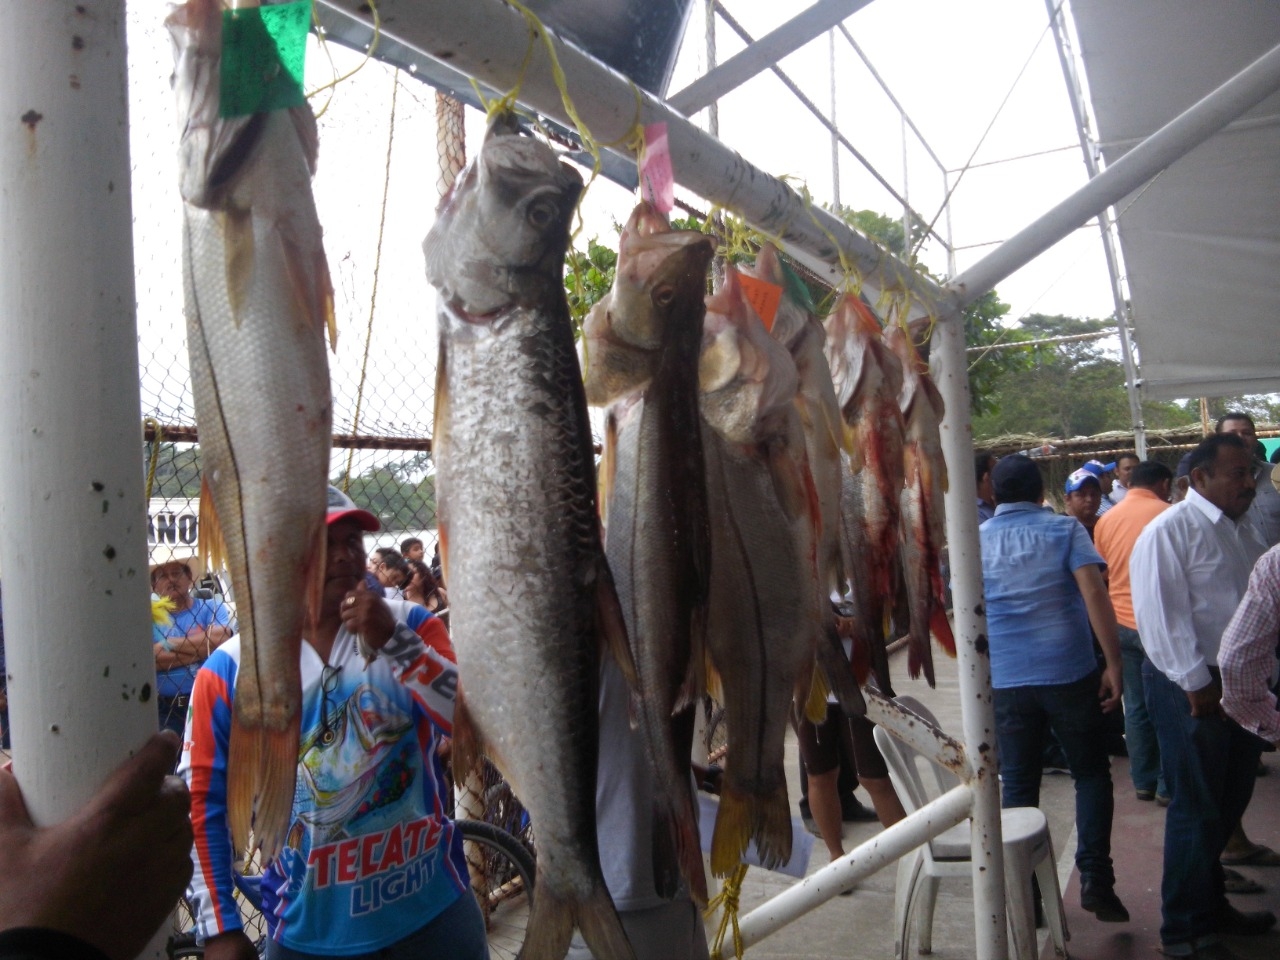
(258, 300)
(531, 596)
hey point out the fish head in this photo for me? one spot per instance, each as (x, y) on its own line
(744, 375)
(500, 236)
(793, 314)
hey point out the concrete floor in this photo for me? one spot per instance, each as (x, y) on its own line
(860, 927)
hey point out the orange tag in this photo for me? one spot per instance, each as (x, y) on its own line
(763, 296)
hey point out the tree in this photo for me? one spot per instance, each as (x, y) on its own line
(1067, 389)
(177, 470)
(391, 492)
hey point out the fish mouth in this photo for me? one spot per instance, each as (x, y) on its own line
(468, 316)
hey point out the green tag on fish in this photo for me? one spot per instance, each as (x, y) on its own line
(263, 53)
(796, 289)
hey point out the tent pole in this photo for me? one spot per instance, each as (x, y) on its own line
(1105, 221)
(1179, 136)
(72, 517)
(978, 720)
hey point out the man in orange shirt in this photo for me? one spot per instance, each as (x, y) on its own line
(1114, 536)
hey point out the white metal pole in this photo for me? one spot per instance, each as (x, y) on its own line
(1087, 148)
(976, 707)
(1179, 136)
(882, 849)
(72, 517)
(835, 139)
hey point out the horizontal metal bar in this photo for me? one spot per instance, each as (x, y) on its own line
(918, 733)
(183, 433)
(762, 54)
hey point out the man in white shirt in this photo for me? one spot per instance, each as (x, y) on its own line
(1124, 472)
(1188, 571)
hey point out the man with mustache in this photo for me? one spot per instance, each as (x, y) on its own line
(1188, 571)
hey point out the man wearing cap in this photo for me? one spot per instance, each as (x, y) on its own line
(1103, 472)
(1114, 536)
(1264, 512)
(1082, 497)
(1188, 572)
(373, 865)
(1042, 582)
(196, 628)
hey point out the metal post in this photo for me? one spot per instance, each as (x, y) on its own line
(713, 108)
(978, 716)
(835, 139)
(82, 677)
(1190, 128)
(1087, 147)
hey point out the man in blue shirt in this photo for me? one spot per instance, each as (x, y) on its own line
(1042, 581)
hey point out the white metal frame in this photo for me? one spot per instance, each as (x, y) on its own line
(69, 402)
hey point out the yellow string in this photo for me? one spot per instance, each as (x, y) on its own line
(728, 898)
(324, 46)
(158, 433)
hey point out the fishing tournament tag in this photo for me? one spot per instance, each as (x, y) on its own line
(657, 183)
(763, 296)
(263, 51)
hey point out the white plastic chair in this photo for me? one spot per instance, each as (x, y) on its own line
(1028, 850)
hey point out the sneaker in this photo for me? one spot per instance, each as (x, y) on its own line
(1145, 795)
(1101, 900)
(1163, 799)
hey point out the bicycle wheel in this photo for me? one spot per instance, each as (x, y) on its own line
(502, 873)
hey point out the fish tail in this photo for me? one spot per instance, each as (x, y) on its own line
(941, 628)
(732, 831)
(212, 545)
(860, 661)
(262, 771)
(815, 705)
(677, 850)
(772, 816)
(552, 919)
(689, 852)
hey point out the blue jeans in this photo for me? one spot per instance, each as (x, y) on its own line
(1139, 734)
(1210, 765)
(1024, 717)
(456, 934)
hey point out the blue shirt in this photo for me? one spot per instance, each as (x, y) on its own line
(177, 681)
(1037, 623)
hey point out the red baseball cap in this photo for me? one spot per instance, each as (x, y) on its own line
(341, 506)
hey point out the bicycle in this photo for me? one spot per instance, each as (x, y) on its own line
(502, 873)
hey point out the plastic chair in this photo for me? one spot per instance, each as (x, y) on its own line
(1028, 850)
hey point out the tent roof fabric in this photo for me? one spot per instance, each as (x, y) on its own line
(1201, 242)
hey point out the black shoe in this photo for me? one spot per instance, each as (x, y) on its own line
(1146, 795)
(1102, 902)
(854, 811)
(1240, 923)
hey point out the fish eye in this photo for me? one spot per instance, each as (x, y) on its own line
(664, 295)
(541, 213)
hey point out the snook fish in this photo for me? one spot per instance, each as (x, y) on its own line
(925, 481)
(868, 383)
(258, 300)
(642, 343)
(764, 621)
(531, 596)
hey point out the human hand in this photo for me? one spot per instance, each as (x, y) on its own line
(232, 945)
(368, 616)
(66, 877)
(1207, 701)
(1111, 688)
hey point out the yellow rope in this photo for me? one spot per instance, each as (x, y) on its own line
(155, 451)
(728, 898)
(324, 46)
(373, 296)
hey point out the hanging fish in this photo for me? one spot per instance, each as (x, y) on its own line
(922, 520)
(258, 301)
(532, 601)
(642, 344)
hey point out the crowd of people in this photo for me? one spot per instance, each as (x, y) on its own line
(1160, 592)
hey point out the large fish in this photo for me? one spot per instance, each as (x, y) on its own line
(922, 520)
(869, 381)
(258, 300)
(642, 345)
(764, 621)
(531, 597)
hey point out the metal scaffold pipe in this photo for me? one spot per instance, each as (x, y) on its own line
(81, 673)
(487, 40)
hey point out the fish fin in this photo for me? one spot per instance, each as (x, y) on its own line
(467, 745)
(815, 706)
(860, 661)
(789, 482)
(941, 628)
(262, 771)
(324, 292)
(684, 812)
(237, 228)
(666, 859)
(839, 675)
(313, 595)
(212, 546)
(772, 828)
(552, 919)
(610, 626)
(732, 831)
(715, 686)
(608, 464)
(242, 770)
(439, 447)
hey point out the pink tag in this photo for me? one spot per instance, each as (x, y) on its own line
(657, 183)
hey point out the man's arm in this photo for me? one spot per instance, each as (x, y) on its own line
(1247, 656)
(1162, 608)
(1102, 617)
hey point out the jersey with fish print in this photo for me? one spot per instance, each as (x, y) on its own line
(371, 854)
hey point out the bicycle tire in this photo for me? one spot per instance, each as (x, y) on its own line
(502, 880)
